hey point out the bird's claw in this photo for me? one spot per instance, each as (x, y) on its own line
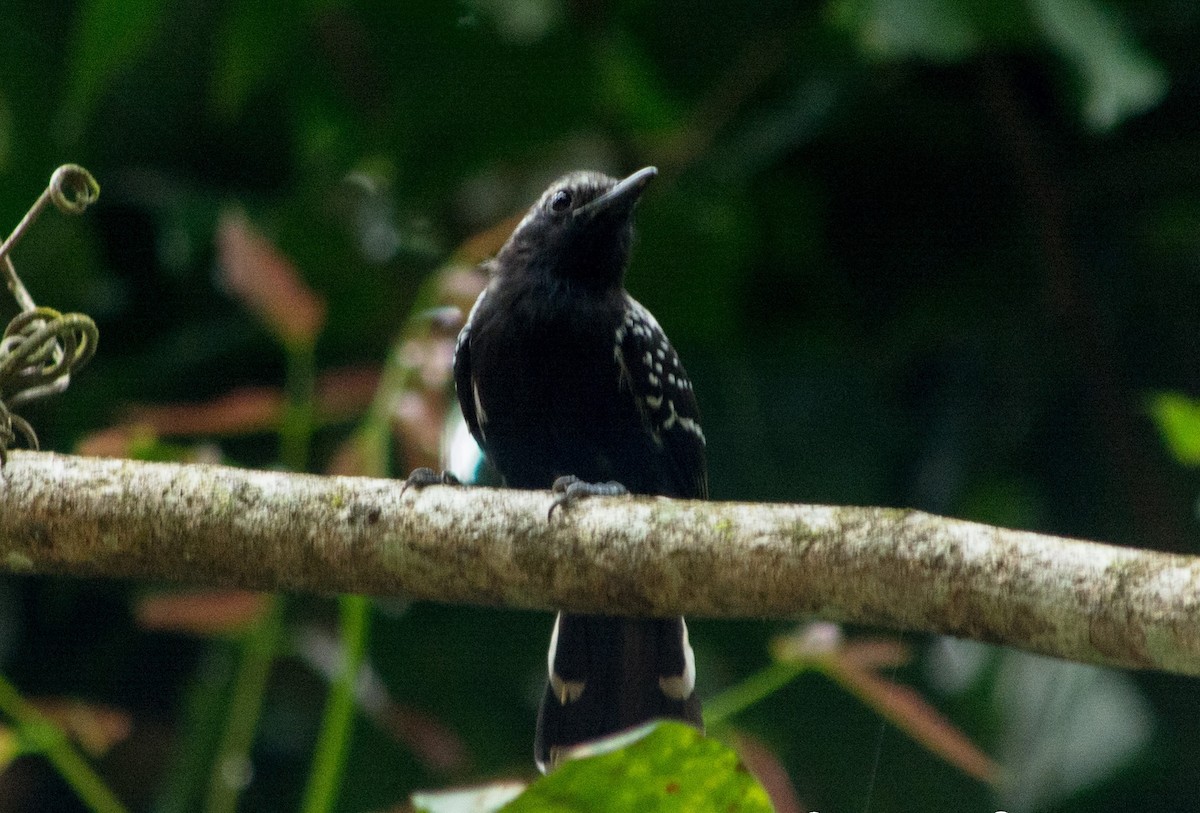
(425, 476)
(570, 490)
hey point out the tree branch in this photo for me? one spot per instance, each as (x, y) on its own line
(213, 525)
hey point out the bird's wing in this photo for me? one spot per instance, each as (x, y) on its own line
(464, 385)
(654, 376)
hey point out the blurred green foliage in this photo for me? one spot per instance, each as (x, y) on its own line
(932, 253)
(1178, 418)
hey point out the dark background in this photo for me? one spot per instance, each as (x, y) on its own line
(914, 253)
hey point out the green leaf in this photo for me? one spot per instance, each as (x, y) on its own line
(673, 767)
(110, 34)
(631, 87)
(1118, 79)
(1178, 420)
(939, 30)
(256, 42)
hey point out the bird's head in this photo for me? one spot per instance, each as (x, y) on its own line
(579, 230)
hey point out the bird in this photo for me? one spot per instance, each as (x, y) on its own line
(567, 382)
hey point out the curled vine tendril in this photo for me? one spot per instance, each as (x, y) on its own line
(41, 347)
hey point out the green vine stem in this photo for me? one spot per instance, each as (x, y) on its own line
(41, 347)
(753, 689)
(231, 767)
(299, 415)
(38, 351)
(338, 722)
(71, 189)
(42, 736)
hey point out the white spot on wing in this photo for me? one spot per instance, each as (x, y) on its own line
(641, 324)
(480, 414)
(565, 691)
(680, 687)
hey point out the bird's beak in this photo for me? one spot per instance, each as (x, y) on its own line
(620, 199)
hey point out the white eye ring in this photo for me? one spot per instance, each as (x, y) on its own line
(561, 201)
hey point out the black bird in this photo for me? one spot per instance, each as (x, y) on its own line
(568, 382)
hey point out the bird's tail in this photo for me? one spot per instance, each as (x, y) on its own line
(608, 674)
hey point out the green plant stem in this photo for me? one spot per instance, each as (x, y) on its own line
(338, 722)
(198, 734)
(758, 686)
(233, 755)
(373, 436)
(299, 416)
(42, 735)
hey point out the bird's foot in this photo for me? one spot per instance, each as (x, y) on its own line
(570, 490)
(425, 476)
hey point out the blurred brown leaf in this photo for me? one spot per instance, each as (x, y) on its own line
(115, 441)
(96, 728)
(853, 664)
(431, 741)
(200, 612)
(142, 441)
(417, 420)
(340, 394)
(345, 392)
(874, 653)
(241, 411)
(354, 458)
(770, 773)
(431, 358)
(484, 244)
(459, 286)
(907, 710)
(267, 282)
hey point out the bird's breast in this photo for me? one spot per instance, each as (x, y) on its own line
(549, 392)
(543, 373)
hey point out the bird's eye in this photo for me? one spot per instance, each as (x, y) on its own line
(561, 201)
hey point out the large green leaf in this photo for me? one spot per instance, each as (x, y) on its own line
(664, 767)
(673, 768)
